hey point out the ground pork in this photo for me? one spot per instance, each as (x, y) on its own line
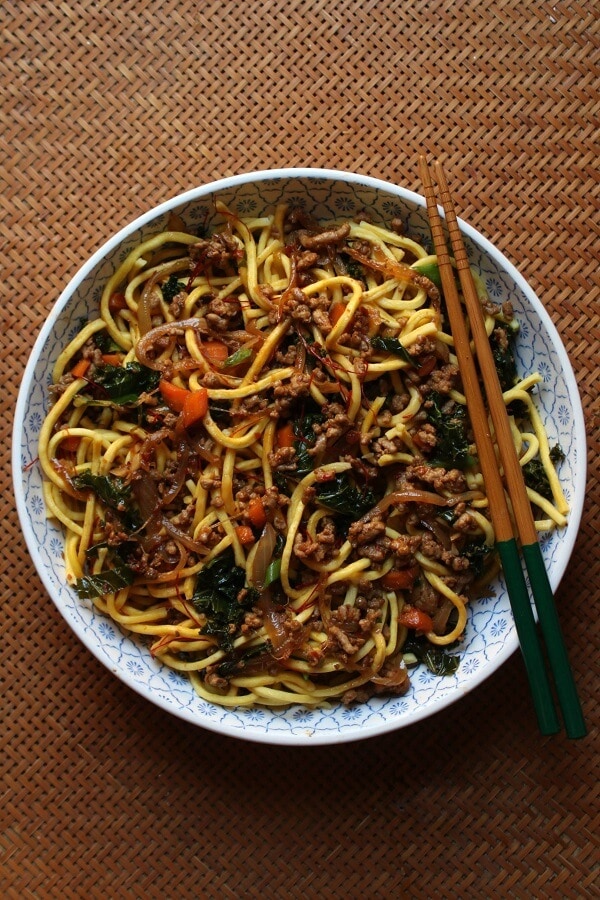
(286, 393)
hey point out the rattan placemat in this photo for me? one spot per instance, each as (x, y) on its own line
(109, 107)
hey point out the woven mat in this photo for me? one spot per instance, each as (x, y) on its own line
(109, 107)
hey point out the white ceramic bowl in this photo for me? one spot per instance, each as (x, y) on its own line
(490, 636)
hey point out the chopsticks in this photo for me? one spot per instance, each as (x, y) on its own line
(506, 543)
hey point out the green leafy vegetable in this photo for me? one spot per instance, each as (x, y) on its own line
(535, 474)
(171, 288)
(238, 357)
(90, 586)
(232, 666)
(477, 552)
(342, 496)
(114, 492)
(105, 343)
(501, 342)
(351, 267)
(304, 431)
(124, 384)
(393, 345)
(450, 422)
(218, 586)
(437, 660)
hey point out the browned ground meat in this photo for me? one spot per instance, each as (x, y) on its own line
(442, 479)
(366, 529)
(288, 392)
(219, 251)
(442, 380)
(220, 313)
(283, 459)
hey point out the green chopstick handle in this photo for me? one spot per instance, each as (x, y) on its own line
(553, 639)
(541, 691)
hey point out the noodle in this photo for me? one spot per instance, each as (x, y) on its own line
(260, 453)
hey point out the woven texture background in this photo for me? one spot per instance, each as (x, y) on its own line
(108, 107)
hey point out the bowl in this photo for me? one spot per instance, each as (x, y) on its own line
(490, 635)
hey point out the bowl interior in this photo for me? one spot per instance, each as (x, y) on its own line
(490, 636)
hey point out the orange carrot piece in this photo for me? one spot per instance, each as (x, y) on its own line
(112, 359)
(173, 396)
(400, 579)
(256, 512)
(285, 436)
(195, 407)
(245, 534)
(215, 351)
(80, 368)
(411, 617)
(336, 312)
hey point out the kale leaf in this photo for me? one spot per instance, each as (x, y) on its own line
(535, 474)
(501, 342)
(114, 492)
(393, 345)
(351, 267)
(90, 586)
(435, 658)
(477, 552)
(171, 288)
(124, 384)
(105, 343)
(235, 666)
(342, 496)
(452, 445)
(216, 592)
(306, 438)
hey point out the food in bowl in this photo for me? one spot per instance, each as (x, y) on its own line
(260, 452)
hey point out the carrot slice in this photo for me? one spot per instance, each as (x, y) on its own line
(411, 617)
(285, 436)
(80, 368)
(215, 351)
(400, 579)
(256, 512)
(245, 534)
(173, 396)
(195, 407)
(336, 312)
(112, 359)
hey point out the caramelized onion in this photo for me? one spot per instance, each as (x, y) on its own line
(146, 344)
(283, 636)
(262, 556)
(144, 311)
(183, 455)
(414, 496)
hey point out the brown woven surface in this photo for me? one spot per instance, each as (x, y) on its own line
(109, 107)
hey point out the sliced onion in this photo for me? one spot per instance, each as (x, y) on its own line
(181, 536)
(283, 640)
(146, 344)
(144, 310)
(183, 455)
(262, 556)
(413, 496)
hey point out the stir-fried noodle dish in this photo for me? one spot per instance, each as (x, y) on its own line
(260, 452)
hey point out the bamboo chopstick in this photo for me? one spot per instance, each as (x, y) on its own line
(501, 520)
